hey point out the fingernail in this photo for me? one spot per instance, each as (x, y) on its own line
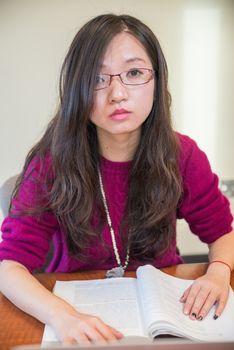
(193, 314)
(200, 318)
(119, 334)
(215, 317)
(186, 312)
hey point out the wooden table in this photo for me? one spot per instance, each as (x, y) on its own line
(18, 328)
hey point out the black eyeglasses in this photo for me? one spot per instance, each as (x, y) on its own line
(135, 76)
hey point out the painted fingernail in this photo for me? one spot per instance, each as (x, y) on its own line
(193, 314)
(215, 317)
(200, 318)
(182, 297)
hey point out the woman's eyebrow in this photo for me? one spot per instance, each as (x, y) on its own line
(135, 59)
(129, 60)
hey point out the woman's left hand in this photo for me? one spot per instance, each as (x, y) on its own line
(207, 290)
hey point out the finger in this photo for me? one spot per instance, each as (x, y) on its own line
(109, 333)
(68, 341)
(94, 335)
(185, 294)
(82, 339)
(78, 338)
(205, 308)
(97, 331)
(190, 299)
(199, 301)
(221, 305)
(118, 334)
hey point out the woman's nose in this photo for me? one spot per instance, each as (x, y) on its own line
(117, 90)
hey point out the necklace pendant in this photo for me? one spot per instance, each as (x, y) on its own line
(115, 272)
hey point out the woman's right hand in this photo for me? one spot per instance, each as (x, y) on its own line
(72, 327)
(33, 298)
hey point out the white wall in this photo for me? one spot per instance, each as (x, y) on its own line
(197, 39)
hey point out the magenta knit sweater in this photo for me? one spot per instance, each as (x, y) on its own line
(26, 239)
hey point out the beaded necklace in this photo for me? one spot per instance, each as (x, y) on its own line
(120, 269)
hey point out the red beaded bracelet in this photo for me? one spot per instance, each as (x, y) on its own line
(221, 262)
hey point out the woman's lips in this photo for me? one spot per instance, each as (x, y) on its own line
(120, 114)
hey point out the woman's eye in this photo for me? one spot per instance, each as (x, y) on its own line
(134, 73)
(100, 79)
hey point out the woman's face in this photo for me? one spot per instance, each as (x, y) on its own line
(118, 108)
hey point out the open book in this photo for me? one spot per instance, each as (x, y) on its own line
(144, 306)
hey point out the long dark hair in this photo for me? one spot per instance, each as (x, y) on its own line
(71, 141)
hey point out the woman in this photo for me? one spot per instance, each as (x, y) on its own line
(107, 181)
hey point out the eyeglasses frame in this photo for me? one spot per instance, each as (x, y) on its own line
(119, 75)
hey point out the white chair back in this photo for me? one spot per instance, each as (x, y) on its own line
(5, 194)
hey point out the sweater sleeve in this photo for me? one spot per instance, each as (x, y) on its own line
(26, 238)
(203, 205)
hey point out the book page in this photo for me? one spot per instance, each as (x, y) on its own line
(160, 295)
(114, 300)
